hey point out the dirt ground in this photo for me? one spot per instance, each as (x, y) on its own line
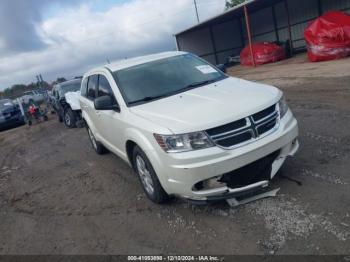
(58, 197)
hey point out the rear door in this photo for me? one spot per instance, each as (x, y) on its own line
(88, 95)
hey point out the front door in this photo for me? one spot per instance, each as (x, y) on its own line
(110, 122)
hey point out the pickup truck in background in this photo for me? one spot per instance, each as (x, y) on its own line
(65, 102)
(36, 96)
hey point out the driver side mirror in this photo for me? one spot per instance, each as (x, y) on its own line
(106, 103)
(222, 67)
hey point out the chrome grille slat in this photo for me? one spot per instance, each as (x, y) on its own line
(274, 114)
(233, 131)
(233, 135)
(257, 126)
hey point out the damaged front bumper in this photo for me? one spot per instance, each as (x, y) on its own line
(225, 193)
(205, 175)
(253, 180)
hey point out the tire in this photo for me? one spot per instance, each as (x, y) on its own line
(70, 118)
(59, 117)
(148, 177)
(97, 146)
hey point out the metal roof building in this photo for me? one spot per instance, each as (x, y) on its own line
(255, 20)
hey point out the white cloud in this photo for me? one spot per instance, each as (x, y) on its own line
(79, 38)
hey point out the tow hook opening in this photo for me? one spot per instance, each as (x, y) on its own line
(211, 183)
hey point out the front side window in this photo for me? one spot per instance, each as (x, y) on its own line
(83, 89)
(104, 88)
(92, 86)
(165, 77)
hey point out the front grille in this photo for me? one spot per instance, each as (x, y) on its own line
(245, 130)
(267, 126)
(227, 128)
(262, 114)
(236, 139)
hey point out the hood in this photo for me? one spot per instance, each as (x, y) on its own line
(72, 98)
(7, 109)
(209, 106)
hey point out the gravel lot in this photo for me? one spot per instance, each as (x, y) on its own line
(58, 197)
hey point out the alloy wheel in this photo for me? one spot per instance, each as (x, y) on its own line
(145, 175)
(67, 119)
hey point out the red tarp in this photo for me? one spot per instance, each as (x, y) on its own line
(263, 53)
(328, 37)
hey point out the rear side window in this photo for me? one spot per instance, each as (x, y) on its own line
(92, 86)
(83, 89)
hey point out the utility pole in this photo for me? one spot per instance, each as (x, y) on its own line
(195, 5)
(40, 81)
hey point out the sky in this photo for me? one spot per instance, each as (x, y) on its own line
(66, 38)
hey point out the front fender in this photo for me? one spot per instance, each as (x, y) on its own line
(143, 141)
(139, 138)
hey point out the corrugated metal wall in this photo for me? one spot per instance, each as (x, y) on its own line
(217, 42)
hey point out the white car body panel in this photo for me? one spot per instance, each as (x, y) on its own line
(198, 109)
(209, 106)
(72, 98)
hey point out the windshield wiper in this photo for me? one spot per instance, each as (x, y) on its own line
(202, 83)
(194, 84)
(146, 99)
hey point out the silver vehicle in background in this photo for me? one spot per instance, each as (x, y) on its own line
(35, 96)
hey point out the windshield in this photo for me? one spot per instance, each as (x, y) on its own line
(5, 103)
(166, 77)
(73, 87)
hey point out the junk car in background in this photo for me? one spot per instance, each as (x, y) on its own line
(10, 114)
(65, 101)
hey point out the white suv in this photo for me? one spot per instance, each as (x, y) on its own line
(186, 128)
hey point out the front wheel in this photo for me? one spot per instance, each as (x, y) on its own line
(59, 117)
(148, 177)
(70, 118)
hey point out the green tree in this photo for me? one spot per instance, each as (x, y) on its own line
(61, 80)
(233, 3)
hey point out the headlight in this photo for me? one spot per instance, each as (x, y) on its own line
(282, 104)
(183, 143)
